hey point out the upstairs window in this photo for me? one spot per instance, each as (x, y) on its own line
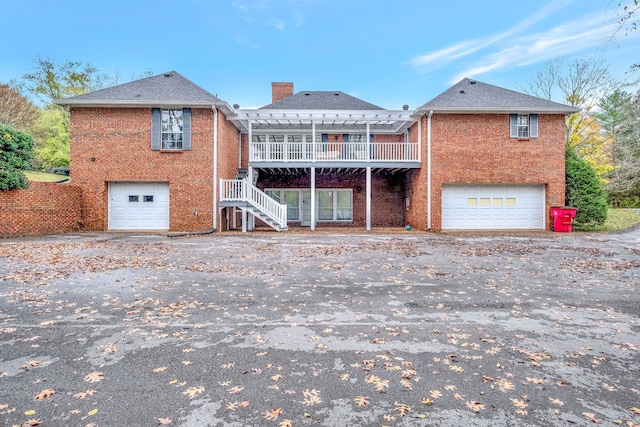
(171, 129)
(523, 126)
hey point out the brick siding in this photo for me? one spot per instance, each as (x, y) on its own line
(114, 145)
(281, 90)
(477, 149)
(43, 208)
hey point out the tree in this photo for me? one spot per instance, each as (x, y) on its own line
(627, 20)
(53, 150)
(50, 81)
(627, 15)
(15, 157)
(580, 83)
(584, 191)
(594, 146)
(16, 110)
(621, 116)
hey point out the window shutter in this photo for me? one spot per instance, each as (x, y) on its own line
(155, 128)
(533, 125)
(513, 125)
(186, 128)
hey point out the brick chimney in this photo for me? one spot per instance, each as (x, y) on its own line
(281, 90)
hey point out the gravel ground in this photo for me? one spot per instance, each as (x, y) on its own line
(332, 328)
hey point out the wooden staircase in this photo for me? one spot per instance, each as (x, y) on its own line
(242, 194)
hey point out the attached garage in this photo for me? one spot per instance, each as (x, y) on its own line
(493, 207)
(138, 206)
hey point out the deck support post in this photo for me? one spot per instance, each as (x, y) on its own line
(313, 198)
(368, 192)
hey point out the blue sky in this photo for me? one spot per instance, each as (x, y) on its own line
(386, 52)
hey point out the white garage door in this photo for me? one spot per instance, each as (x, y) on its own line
(491, 207)
(138, 206)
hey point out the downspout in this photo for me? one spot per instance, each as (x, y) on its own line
(429, 170)
(215, 166)
(215, 178)
(239, 149)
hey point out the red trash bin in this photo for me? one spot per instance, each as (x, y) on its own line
(562, 217)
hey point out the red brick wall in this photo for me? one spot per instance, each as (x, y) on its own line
(114, 144)
(43, 208)
(227, 156)
(416, 192)
(281, 90)
(477, 149)
(387, 194)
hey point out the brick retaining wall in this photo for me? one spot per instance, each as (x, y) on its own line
(43, 208)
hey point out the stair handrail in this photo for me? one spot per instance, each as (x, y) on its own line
(233, 190)
(261, 200)
(240, 190)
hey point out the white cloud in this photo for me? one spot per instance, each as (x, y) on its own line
(273, 13)
(514, 47)
(577, 36)
(445, 56)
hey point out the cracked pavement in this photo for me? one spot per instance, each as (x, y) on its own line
(320, 329)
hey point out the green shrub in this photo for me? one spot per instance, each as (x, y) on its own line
(584, 191)
(16, 150)
(624, 202)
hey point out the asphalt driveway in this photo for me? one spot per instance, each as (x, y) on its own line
(324, 329)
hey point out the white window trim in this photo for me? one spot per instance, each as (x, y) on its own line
(532, 126)
(163, 132)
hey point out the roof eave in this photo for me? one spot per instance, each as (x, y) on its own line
(492, 110)
(316, 113)
(144, 104)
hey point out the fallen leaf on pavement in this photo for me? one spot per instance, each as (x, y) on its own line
(272, 414)
(44, 394)
(475, 406)
(94, 377)
(591, 417)
(361, 401)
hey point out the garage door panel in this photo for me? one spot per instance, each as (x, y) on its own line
(138, 206)
(476, 207)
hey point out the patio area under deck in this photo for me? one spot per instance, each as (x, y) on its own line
(315, 171)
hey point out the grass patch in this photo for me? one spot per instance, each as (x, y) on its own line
(43, 176)
(617, 220)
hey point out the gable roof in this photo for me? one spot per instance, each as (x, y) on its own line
(472, 96)
(167, 89)
(321, 100)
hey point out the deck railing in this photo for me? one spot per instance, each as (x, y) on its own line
(334, 152)
(240, 190)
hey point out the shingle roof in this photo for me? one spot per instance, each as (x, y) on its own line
(470, 95)
(164, 89)
(321, 100)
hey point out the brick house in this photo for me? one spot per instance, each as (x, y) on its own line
(162, 153)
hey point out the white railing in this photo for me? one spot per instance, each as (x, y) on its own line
(334, 152)
(240, 190)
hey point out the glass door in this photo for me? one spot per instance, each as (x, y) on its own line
(306, 208)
